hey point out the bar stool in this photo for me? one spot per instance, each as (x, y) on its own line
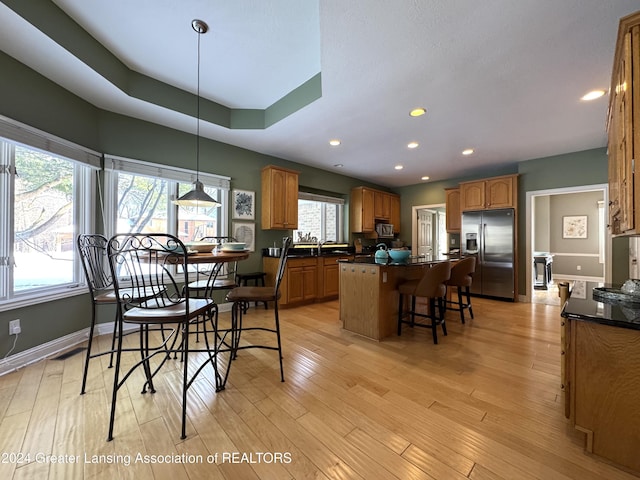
(461, 278)
(430, 286)
(243, 279)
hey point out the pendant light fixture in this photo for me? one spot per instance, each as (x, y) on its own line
(197, 197)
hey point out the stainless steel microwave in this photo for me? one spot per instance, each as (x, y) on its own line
(384, 230)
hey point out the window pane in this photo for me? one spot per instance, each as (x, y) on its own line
(142, 204)
(318, 221)
(197, 222)
(43, 220)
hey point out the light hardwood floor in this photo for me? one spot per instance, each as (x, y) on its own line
(483, 404)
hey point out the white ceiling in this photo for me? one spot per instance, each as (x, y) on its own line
(503, 77)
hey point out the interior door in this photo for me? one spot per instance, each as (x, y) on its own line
(425, 233)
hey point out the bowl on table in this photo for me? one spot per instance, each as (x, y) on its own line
(200, 247)
(234, 247)
(399, 254)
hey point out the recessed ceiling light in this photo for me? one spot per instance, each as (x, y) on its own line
(335, 142)
(593, 94)
(338, 165)
(418, 112)
(468, 151)
(413, 145)
(425, 178)
(398, 167)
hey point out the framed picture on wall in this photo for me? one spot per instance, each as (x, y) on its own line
(574, 226)
(245, 232)
(244, 204)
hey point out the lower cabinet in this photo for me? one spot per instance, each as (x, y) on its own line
(306, 280)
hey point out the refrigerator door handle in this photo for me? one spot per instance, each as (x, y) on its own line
(483, 228)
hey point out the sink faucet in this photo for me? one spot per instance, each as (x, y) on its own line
(320, 243)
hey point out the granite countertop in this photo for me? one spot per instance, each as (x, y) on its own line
(389, 262)
(583, 306)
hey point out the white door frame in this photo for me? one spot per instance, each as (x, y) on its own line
(530, 230)
(414, 223)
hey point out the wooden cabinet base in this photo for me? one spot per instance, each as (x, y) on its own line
(604, 382)
(369, 297)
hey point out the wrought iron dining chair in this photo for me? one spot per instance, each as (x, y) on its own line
(432, 287)
(244, 294)
(142, 261)
(92, 250)
(219, 276)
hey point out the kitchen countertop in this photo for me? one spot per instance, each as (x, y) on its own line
(582, 306)
(390, 263)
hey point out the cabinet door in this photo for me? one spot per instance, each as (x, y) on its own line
(499, 192)
(295, 284)
(309, 283)
(291, 201)
(331, 285)
(278, 212)
(368, 220)
(472, 195)
(382, 206)
(623, 104)
(395, 213)
(454, 219)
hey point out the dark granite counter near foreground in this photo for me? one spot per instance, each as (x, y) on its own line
(582, 306)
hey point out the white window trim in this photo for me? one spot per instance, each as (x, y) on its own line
(84, 188)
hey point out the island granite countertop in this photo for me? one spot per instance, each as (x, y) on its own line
(583, 306)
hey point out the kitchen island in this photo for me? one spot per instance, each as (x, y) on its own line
(369, 294)
(602, 384)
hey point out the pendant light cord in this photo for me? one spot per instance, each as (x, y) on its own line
(198, 113)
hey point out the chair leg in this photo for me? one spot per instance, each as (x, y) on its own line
(88, 355)
(434, 323)
(460, 304)
(185, 378)
(279, 342)
(116, 380)
(400, 314)
(468, 295)
(413, 311)
(442, 309)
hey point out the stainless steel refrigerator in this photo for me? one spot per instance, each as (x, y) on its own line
(490, 235)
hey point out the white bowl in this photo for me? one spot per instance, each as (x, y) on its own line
(200, 247)
(234, 246)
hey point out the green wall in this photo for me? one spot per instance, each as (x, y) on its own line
(32, 99)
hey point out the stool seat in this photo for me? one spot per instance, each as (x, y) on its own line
(258, 279)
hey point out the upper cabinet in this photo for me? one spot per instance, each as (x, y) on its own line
(454, 218)
(496, 192)
(279, 198)
(369, 206)
(623, 125)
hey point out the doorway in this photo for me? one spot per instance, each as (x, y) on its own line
(574, 260)
(429, 234)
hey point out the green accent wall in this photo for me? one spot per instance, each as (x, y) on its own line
(30, 98)
(54, 23)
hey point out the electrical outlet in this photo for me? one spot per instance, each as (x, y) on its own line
(579, 267)
(14, 327)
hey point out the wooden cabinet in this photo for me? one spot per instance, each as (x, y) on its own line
(279, 198)
(368, 205)
(454, 218)
(497, 192)
(623, 125)
(603, 383)
(395, 213)
(299, 282)
(382, 206)
(329, 276)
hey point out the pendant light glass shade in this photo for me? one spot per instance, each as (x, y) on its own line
(197, 197)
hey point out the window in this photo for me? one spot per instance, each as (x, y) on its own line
(320, 218)
(138, 198)
(46, 199)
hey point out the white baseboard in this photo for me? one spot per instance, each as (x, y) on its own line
(62, 344)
